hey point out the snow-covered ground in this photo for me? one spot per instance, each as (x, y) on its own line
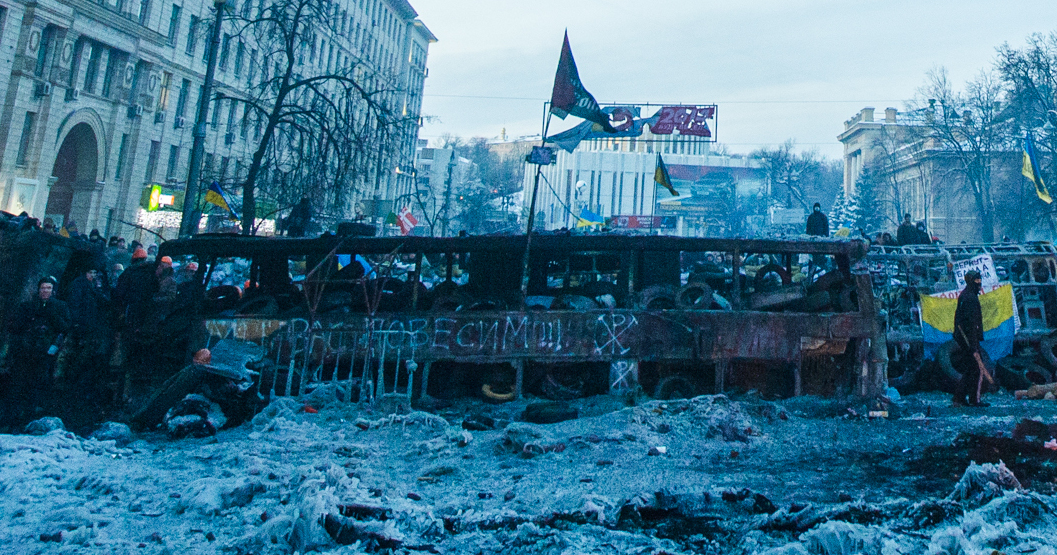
(707, 475)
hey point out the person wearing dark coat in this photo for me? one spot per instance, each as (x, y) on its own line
(907, 234)
(817, 222)
(968, 333)
(299, 219)
(89, 302)
(134, 292)
(37, 329)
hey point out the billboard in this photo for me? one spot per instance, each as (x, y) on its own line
(693, 121)
(706, 191)
(642, 222)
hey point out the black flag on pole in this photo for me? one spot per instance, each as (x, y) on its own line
(569, 95)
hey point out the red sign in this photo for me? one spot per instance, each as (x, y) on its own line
(643, 222)
(689, 120)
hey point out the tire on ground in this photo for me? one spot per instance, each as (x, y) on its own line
(674, 387)
(658, 297)
(694, 296)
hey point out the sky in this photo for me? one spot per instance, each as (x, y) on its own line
(777, 69)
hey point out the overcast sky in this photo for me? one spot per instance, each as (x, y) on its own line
(778, 69)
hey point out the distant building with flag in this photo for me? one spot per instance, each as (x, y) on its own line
(615, 177)
(920, 177)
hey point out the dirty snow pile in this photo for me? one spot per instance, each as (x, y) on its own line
(347, 480)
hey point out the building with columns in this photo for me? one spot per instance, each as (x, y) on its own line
(917, 175)
(100, 101)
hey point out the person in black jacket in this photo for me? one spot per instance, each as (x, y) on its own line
(37, 329)
(817, 222)
(299, 219)
(968, 333)
(89, 302)
(907, 234)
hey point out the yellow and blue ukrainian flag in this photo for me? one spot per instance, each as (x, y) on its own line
(937, 321)
(588, 218)
(1030, 169)
(215, 196)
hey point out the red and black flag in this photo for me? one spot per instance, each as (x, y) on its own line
(569, 95)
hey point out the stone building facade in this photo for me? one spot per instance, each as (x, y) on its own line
(100, 100)
(917, 175)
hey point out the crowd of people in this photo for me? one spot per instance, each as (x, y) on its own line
(86, 343)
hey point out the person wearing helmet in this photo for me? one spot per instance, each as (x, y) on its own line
(37, 329)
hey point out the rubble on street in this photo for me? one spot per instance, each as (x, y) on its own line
(711, 474)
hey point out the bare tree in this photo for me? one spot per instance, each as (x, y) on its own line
(971, 133)
(319, 126)
(1030, 75)
(799, 179)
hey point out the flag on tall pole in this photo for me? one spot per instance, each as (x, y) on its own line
(215, 196)
(569, 95)
(1030, 169)
(660, 175)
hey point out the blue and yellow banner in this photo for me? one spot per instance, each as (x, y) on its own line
(1030, 169)
(588, 218)
(937, 321)
(215, 196)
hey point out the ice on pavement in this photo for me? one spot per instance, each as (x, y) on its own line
(589, 485)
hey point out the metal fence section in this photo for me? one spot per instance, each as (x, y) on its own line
(366, 364)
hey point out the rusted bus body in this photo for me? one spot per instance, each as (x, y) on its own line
(420, 348)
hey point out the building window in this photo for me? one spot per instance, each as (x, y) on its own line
(216, 113)
(225, 49)
(122, 152)
(152, 160)
(207, 166)
(231, 115)
(91, 74)
(174, 163)
(192, 36)
(244, 129)
(209, 39)
(174, 24)
(26, 141)
(240, 52)
(251, 67)
(46, 37)
(144, 12)
(181, 101)
(163, 96)
(115, 63)
(224, 169)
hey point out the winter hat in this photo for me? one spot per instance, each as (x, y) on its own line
(166, 261)
(139, 254)
(192, 266)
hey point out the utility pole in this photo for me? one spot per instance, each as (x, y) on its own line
(191, 211)
(447, 195)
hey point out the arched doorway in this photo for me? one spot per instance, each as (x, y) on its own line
(75, 170)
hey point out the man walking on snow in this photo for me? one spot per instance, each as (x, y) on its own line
(968, 333)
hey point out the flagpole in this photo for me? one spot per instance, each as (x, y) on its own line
(532, 209)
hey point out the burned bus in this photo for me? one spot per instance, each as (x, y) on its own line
(410, 317)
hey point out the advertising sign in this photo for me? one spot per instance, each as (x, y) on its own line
(643, 222)
(696, 121)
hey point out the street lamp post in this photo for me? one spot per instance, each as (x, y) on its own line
(191, 211)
